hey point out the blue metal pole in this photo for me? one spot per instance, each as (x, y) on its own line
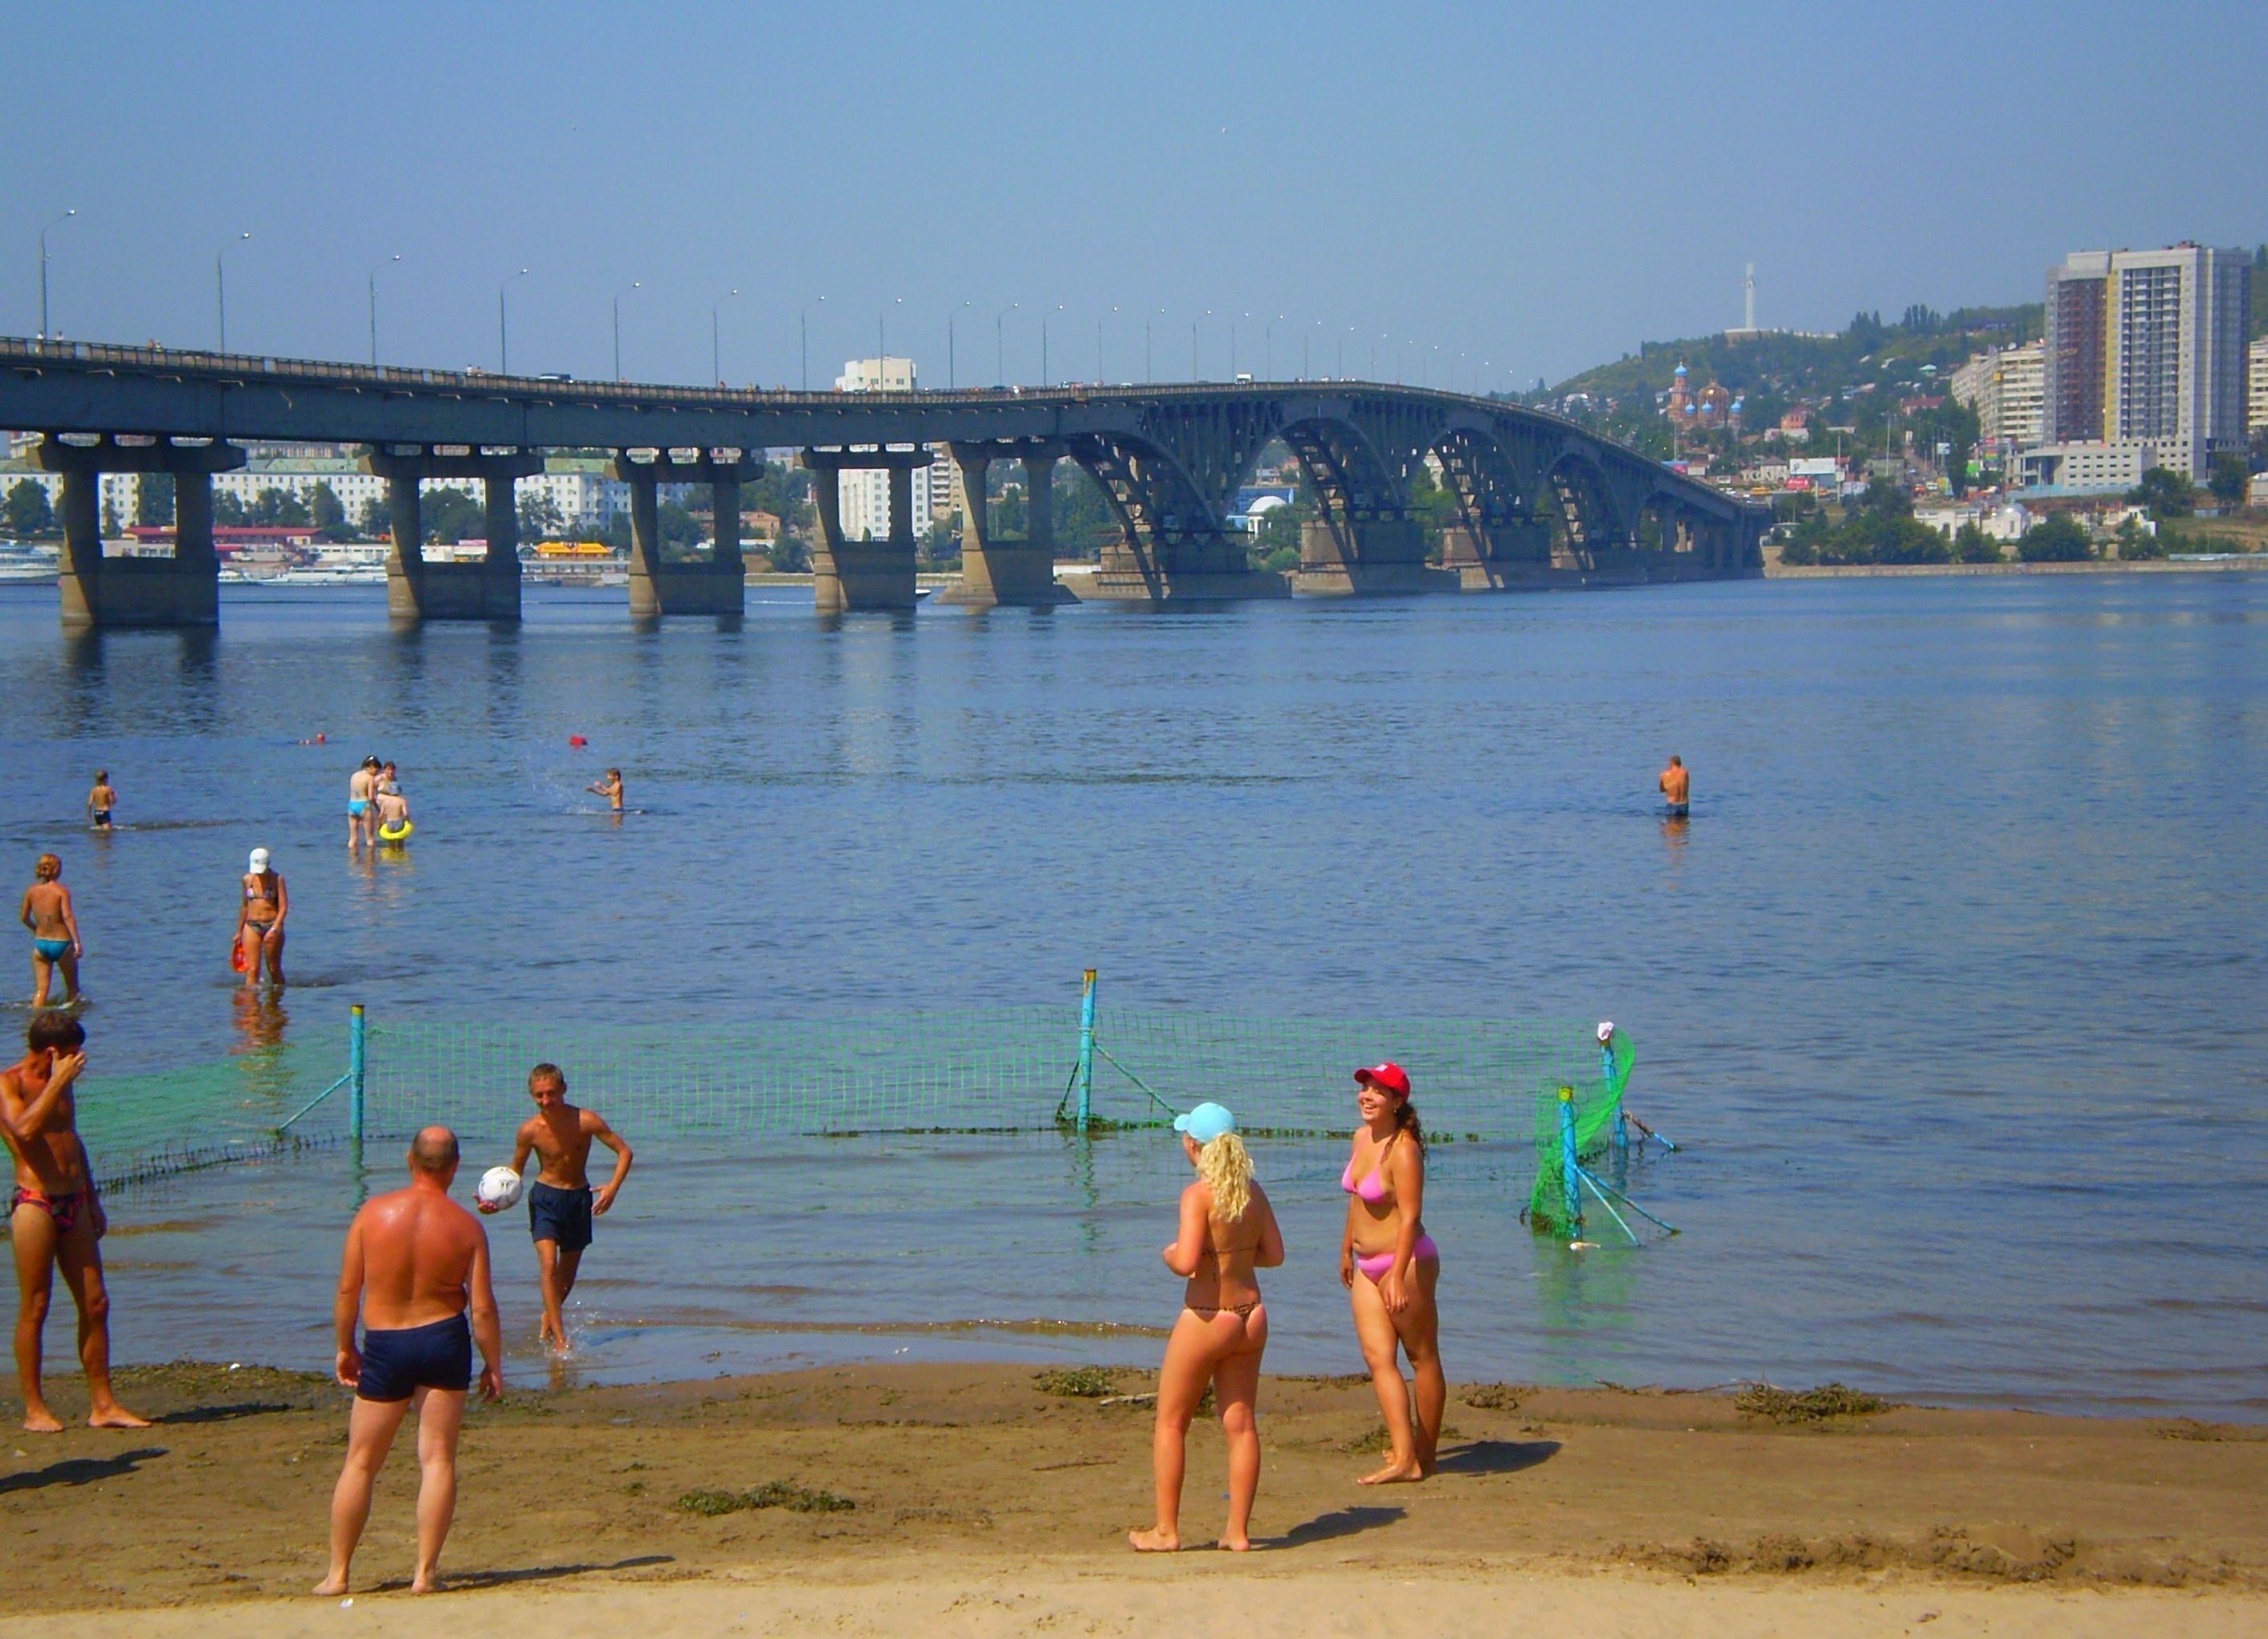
(1571, 1168)
(356, 1034)
(1607, 1075)
(1087, 1050)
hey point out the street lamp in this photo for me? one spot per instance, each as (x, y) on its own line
(882, 344)
(1196, 369)
(952, 364)
(1350, 331)
(57, 223)
(1043, 343)
(625, 291)
(220, 284)
(1268, 353)
(715, 348)
(803, 328)
(372, 283)
(503, 336)
(1149, 371)
(1000, 344)
(1098, 346)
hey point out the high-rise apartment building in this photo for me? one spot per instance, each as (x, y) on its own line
(2148, 348)
(866, 493)
(2255, 411)
(2007, 388)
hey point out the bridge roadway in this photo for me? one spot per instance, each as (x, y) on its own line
(1541, 501)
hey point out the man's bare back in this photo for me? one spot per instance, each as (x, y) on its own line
(418, 1248)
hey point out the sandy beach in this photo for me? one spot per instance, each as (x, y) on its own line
(974, 1500)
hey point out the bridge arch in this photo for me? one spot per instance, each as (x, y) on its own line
(1584, 498)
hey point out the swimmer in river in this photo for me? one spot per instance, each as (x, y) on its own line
(260, 915)
(391, 810)
(361, 787)
(55, 1220)
(415, 1261)
(1389, 1266)
(1227, 1231)
(48, 911)
(610, 788)
(560, 1202)
(1676, 787)
(101, 801)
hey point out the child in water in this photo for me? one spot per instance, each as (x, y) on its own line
(610, 788)
(101, 800)
(392, 810)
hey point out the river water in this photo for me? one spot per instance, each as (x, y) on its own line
(1952, 990)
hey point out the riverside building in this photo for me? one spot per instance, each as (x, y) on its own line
(865, 492)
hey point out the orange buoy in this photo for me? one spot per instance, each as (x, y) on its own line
(576, 741)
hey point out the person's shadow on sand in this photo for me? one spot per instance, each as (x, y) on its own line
(79, 1470)
(1340, 1521)
(465, 1581)
(1497, 1457)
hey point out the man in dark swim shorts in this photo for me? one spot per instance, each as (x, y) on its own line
(1676, 787)
(415, 1263)
(560, 1202)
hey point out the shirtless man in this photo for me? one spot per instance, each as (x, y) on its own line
(56, 1219)
(46, 911)
(560, 1204)
(610, 788)
(415, 1260)
(362, 786)
(1676, 786)
(101, 801)
(259, 916)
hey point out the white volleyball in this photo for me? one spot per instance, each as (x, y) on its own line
(500, 1188)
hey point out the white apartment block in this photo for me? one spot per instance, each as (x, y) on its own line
(2256, 402)
(2007, 388)
(866, 494)
(2088, 468)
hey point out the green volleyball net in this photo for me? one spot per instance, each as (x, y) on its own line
(1575, 1123)
(1005, 1071)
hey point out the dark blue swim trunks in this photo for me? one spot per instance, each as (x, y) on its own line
(396, 1364)
(560, 1214)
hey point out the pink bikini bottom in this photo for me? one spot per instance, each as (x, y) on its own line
(1375, 1264)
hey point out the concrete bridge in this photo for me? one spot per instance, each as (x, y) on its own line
(1540, 501)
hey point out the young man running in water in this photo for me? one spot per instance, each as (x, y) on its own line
(46, 911)
(55, 1220)
(560, 1202)
(414, 1262)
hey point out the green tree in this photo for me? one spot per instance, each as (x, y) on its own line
(1084, 521)
(540, 518)
(2231, 482)
(449, 515)
(153, 499)
(678, 528)
(1972, 544)
(2059, 540)
(110, 529)
(376, 519)
(228, 509)
(278, 507)
(326, 512)
(2165, 493)
(2136, 543)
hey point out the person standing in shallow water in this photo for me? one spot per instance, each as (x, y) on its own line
(1676, 788)
(260, 915)
(101, 801)
(362, 791)
(560, 1202)
(1390, 1266)
(1227, 1231)
(48, 911)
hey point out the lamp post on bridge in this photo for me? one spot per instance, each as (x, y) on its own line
(803, 330)
(503, 330)
(220, 283)
(373, 282)
(1043, 343)
(1350, 331)
(715, 343)
(1000, 344)
(1149, 370)
(625, 291)
(57, 223)
(951, 364)
(1196, 369)
(1099, 372)
(883, 343)
(1268, 353)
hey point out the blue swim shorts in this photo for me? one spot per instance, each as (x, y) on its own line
(560, 1214)
(53, 950)
(397, 1364)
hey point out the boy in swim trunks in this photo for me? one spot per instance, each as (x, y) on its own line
(560, 1202)
(101, 801)
(56, 1219)
(391, 809)
(416, 1262)
(610, 788)
(46, 911)
(362, 785)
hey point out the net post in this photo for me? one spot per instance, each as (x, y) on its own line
(1570, 1169)
(356, 1047)
(1086, 1049)
(1607, 1076)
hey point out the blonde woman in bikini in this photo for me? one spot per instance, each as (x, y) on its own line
(1227, 1231)
(1389, 1266)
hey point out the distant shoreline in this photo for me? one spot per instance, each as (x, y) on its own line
(2144, 566)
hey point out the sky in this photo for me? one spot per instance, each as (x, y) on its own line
(1471, 195)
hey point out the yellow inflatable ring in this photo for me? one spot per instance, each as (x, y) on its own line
(396, 833)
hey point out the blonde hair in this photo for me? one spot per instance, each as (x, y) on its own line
(1226, 1169)
(47, 868)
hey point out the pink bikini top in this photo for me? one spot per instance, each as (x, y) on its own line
(1372, 1188)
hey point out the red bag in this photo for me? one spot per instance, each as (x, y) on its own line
(237, 962)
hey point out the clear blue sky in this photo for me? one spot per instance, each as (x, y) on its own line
(1536, 187)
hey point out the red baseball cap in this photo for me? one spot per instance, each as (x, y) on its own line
(1389, 1076)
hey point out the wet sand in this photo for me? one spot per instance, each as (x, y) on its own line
(982, 1503)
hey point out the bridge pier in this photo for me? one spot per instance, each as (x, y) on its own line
(659, 586)
(993, 571)
(851, 575)
(97, 592)
(1502, 557)
(417, 589)
(1342, 557)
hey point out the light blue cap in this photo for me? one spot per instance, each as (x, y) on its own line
(1206, 1123)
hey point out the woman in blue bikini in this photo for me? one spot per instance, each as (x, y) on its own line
(1389, 1266)
(46, 911)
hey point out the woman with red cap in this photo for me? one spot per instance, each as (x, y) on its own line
(1389, 1265)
